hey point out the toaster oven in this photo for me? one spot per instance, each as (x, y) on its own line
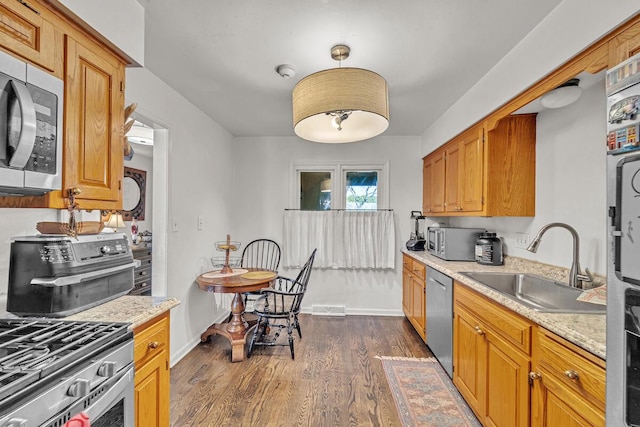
(56, 275)
(453, 243)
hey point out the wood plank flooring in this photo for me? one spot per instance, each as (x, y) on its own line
(335, 379)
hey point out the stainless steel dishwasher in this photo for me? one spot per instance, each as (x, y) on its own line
(440, 317)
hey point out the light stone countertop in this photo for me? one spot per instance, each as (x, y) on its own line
(587, 331)
(127, 309)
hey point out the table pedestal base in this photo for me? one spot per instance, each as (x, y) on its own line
(235, 330)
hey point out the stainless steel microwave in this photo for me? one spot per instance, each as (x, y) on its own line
(31, 106)
(453, 243)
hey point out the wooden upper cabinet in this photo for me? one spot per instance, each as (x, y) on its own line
(471, 170)
(624, 45)
(510, 167)
(452, 177)
(26, 31)
(487, 173)
(433, 183)
(94, 116)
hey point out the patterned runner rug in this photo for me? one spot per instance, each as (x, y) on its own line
(425, 395)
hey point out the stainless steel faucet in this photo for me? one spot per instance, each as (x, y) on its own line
(576, 277)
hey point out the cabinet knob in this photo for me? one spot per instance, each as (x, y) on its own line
(154, 344)
(571, 374)
(534, 375)
(478, 330)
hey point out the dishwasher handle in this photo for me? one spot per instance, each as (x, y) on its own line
(438, 283)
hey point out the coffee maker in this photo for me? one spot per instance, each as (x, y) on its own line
(416, 240)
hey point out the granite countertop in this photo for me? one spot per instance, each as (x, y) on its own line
(128, 309)
(587, 331)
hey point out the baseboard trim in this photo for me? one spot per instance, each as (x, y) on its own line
(355, 312)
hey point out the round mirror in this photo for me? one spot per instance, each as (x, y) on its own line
(130, 194)
(133, 194)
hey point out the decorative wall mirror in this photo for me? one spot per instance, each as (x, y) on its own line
(133, 194)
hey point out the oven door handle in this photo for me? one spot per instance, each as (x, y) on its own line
(123, 387)
(78, 278)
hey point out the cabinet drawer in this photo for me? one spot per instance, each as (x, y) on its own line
(414, 267)
(25, 32)
(580, 372)
(418, 269)
(407, 262)
(142, 274)
(151, 340)
(508, 325)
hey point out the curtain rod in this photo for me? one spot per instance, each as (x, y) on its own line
(350, 210)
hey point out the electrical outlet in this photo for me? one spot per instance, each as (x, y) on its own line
(200, 223)
(522, 240)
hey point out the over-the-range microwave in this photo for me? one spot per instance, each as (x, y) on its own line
(453, 243)
(31, 108)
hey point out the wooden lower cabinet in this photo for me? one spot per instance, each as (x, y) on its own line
(414, 293)
(514, 373)
(151, 358)
(568, 384)
(490, 374)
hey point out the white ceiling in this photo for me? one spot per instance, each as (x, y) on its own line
(222, 54)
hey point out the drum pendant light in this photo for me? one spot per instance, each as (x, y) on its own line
(340, 104)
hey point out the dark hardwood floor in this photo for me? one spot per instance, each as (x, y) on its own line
(335, 379)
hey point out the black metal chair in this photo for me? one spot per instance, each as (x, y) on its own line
(260, 253)
(280, 303)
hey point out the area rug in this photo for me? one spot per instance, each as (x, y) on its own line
(424, 394)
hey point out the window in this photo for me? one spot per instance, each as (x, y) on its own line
(346, 185)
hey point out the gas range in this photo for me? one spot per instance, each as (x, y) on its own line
(51, 370)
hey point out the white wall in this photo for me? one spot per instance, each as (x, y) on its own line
(119, 21)
(567, 30)
(261, 188)
(200, 161)
(570, 186)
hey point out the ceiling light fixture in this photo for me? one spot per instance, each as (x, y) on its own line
(340, 104)
(565, 94)
(140, 134)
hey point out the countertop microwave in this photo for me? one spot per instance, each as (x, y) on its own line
(453, 243)
(31, 109)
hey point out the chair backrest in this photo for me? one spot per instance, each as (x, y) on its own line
(302, 280)
(261, 253)
(303, 276)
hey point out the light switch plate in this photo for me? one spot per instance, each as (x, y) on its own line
(200, 223)
(174, 225)
(522, 240)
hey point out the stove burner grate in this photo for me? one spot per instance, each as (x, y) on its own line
(33, 350)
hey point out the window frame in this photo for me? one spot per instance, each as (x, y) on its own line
(338, 172)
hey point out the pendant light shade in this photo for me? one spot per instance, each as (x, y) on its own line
(340, 105)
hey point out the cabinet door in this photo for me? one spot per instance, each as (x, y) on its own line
(507, 379)
(433, 183)
(452, 178)
(94, 116)
(407, 293)
(26, 33)
(427, 185)
(471, 171)
(151, 397)
(418, 300)
(469, 359)
(438, 190)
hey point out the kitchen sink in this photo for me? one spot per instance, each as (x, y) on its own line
(536, 292)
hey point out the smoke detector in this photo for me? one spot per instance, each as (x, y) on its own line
(286, 71)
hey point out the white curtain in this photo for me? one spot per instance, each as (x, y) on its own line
(305, 231)
(345, 239)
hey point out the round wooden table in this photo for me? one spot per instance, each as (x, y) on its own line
(237, 327)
